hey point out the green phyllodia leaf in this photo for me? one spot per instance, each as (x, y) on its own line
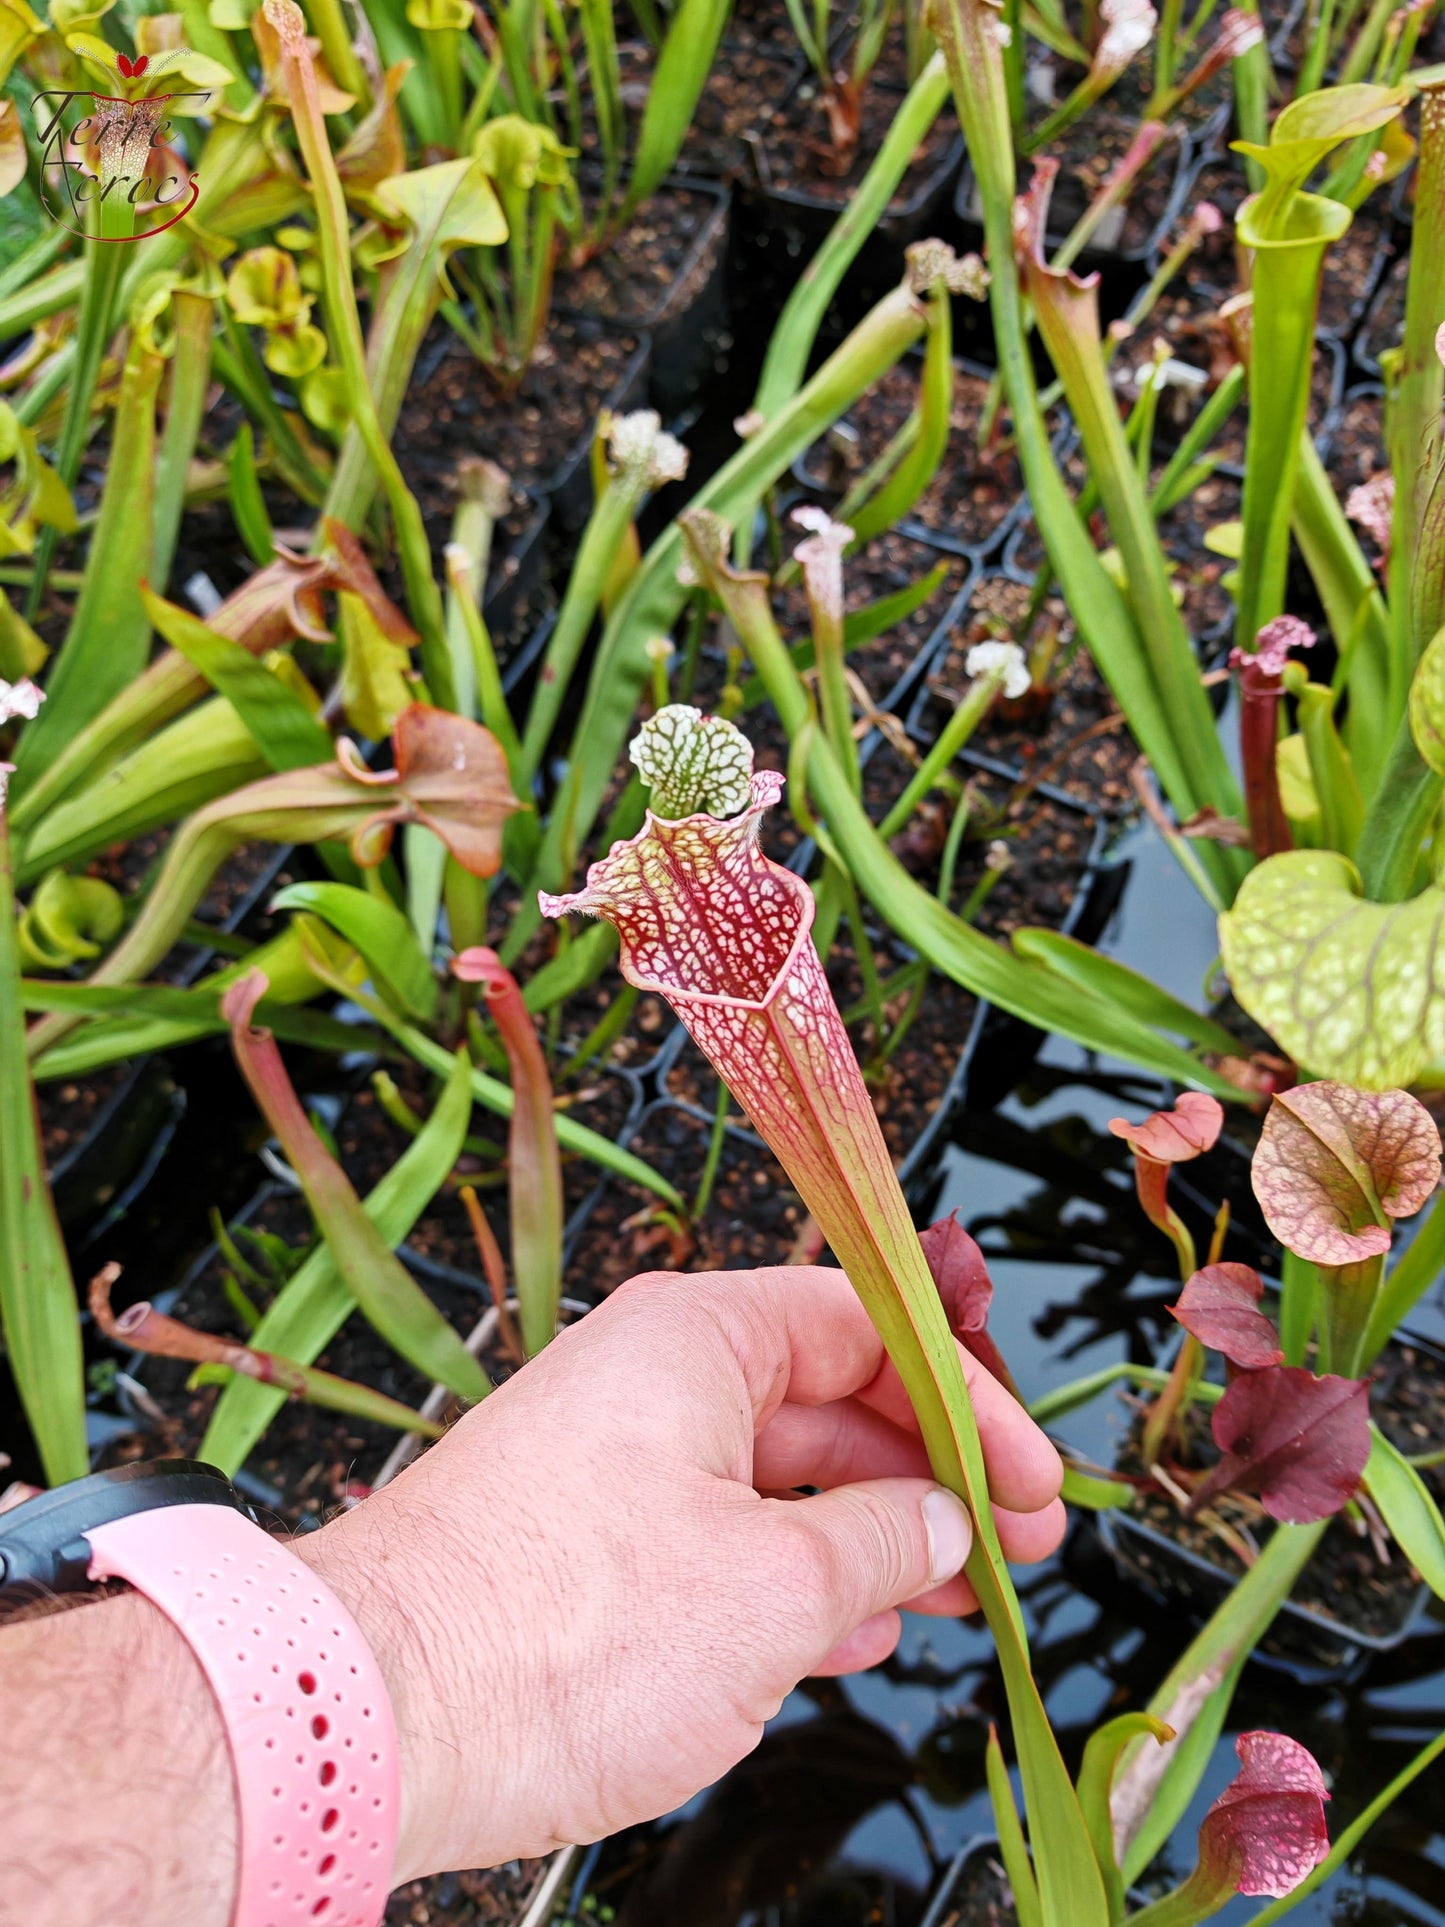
(1355, 990)
(1407, 1508)
(38, 1315)
(1012, 1845)
(285, 731)
(379, 931)
(1103, 1753)
(313, 1304)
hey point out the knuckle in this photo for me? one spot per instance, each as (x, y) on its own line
(809, 1558)
(889, 1545)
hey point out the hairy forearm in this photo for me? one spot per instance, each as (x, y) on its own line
(116, 1801)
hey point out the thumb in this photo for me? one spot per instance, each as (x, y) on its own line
(868, 1548)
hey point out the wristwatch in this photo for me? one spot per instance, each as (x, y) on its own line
(306, 1712)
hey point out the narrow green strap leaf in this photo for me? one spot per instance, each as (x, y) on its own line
(1011, 1842)
(1093, 1494)
(898, 495)
(1407, 1281)
(286, 732)
(333, 1394)
(374, 926)
(1106, 977)
(106, 645)
(1408, 1510)
(682, 70)
(121, 1037)
(38, 1315)
(313, 1305)
(248, 505)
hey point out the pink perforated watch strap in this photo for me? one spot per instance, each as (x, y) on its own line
(306, 1712)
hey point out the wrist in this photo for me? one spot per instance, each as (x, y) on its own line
(113, 1743)
(377, 1564)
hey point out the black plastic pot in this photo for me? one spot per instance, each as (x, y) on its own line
(1304, 1643)
(1363, 391)
(781, 228)
(119, 1148)
(689, 325)
(1383, 323)
(1343, 326)
(951, 540)
(686, 321)
(1107, 251)
(949, 1905)
(1303, 1640)
(515, 578)
(569, 486)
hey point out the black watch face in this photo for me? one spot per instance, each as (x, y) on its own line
(43, 1549)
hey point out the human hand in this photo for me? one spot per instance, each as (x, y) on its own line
(589, 1598)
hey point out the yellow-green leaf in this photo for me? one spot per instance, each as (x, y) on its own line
(1427, 705)
(1352, 990)
(376, 678)
(449, 206)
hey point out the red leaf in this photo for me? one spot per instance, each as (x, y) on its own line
(1173, 1137)
(1266, 1832)
(1220, 1307)
(1333, 1164)
(139, 64)
(960, 1273)
(123, 62)
(1298, 1441)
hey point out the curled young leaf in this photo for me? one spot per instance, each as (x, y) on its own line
(1334, 1165)
(1266, 1832)
(1173, 1137)
(1299, 1442)
(1220, 1307)
(520, 154)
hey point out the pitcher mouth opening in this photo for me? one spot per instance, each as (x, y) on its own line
(735, 849)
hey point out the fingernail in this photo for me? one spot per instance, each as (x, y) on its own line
(950, 1534)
